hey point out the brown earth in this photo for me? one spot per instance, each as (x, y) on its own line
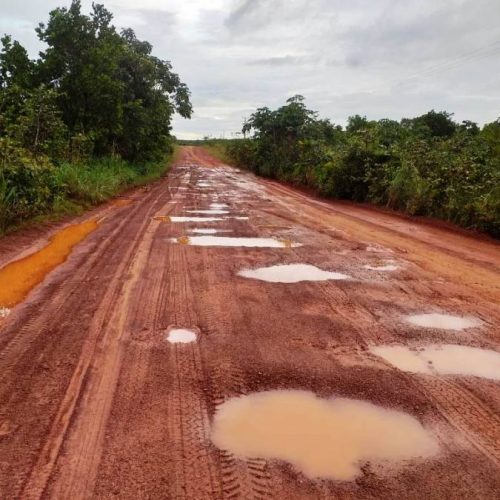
(94, 403)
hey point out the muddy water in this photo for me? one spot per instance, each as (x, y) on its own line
(447, 359)
(180, 336)
(195, 219)
(383, 268)
(209, 212)
(227, 241)
(200, 230)
(291, 273)
(20, 276)
(323, 438)
(442, 321)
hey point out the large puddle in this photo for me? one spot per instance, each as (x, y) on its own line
(442, 321)
(291, 273)
(323, 438)
(382, 268)
(228, 241)
(213, 211)
(194, 219)
(200, 230)
(20, 276)
(180, 336)
(447, 359)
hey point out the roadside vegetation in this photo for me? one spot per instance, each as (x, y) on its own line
(87, 119)
(429, 165)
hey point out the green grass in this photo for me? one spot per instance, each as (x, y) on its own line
(71, 188)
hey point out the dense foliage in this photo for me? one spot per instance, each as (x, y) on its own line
(95, 97)
(429, 165)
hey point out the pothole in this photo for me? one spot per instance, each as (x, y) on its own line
(19, 277)
(291, 273)
(209, 212)
(443, 321)
(382, 268)
(176, 335)
(195, 219)
(447, 359)
(228, 241)
(329, 439)
(200, 230)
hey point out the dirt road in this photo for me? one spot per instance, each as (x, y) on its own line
(95, 402)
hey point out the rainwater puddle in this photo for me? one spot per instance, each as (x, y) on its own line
(200, 230)
(384, 268)
(209, 212)
(20, 276)
(323, 438)
(291, 273)
(4, 312)
(180, 336)
(443, 321)
(195, 219)
(218, 206)
(228, 241)
(447, 359)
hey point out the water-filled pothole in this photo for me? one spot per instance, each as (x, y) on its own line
(446, 359)
(291, 273)
(200, 230)
(20, 276)
(323, 438)
(442, 321)
(209, 212)
(382, 268)
(180, 335)
(195, 219)
(228, 241)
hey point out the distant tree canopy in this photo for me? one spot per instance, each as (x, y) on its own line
(92, 91)
(427, 165)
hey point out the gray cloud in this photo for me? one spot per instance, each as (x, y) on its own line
(390, 58)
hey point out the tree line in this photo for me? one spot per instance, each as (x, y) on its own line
(95, 101)
(428, 165)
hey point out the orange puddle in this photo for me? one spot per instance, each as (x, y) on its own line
(20, 276)
(162, 218)
(122, 203)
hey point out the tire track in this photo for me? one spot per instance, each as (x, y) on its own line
(466, 413)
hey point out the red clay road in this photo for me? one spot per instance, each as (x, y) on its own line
(95, 403)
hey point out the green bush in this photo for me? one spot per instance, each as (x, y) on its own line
(427, 165)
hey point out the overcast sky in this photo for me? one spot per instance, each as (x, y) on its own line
(379, 58)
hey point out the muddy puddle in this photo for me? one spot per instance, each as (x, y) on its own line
(228, 241)
(324, 438)
(20, 276)
(195, 219)
(200, 230)
(291, 273)
(382, 268)
(442, 321)
(447, 359)
(213, 211)
(180, 335)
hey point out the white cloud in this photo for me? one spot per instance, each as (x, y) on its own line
(390, 58)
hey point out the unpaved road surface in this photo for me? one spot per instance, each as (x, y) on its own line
(95, 403)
